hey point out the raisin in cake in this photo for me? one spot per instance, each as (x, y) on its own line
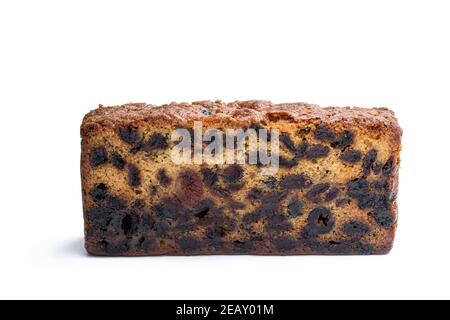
(334, 193)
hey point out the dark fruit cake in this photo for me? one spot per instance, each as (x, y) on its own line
(333, 194)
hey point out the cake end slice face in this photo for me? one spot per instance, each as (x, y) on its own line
(246, 177)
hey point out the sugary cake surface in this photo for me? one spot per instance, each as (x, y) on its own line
(334, 193)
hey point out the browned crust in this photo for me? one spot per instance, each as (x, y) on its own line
(238, 114)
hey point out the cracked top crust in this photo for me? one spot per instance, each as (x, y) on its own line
(239, 114)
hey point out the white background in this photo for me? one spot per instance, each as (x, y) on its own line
(59, 59)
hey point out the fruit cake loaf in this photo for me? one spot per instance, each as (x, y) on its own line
(334, 191)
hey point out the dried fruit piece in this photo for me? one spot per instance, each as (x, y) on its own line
(324, 134)
(297, 181)
(115, 249)
(308, 239)
(363, 248)
(130, 224)
(287, 141)
(100, 217)
(368, 201)
(383, 218)
(118, 161)
(203, 208)
(134, 176)
(388, 166)
(251, 218)
(114, 202)
(98, 156)
(169, 208)
(303, 132)
(277, 223)
(321, 220)
(271, 183)
(381, 184)
(359, 190)
(369, 160)
(99, 192)
(300, 153)
(338, 247)
(295, 208)
(146, 243)
(184, 223)
(355, 228)
(287, 163)
(162, 228)
(163, 177)
(148, 222)
(233, 173)
(316, 191)
(156, 141)
(331, 194)
(377, 167)
(338, 141)
(351, 156)
(210, 176)
(342, 202)
(129, 134)
(266, 210)
(317, 151)
(190, 187)
(343, 141)
(189, 243)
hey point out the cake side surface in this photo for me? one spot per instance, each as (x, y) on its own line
(334, 192)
